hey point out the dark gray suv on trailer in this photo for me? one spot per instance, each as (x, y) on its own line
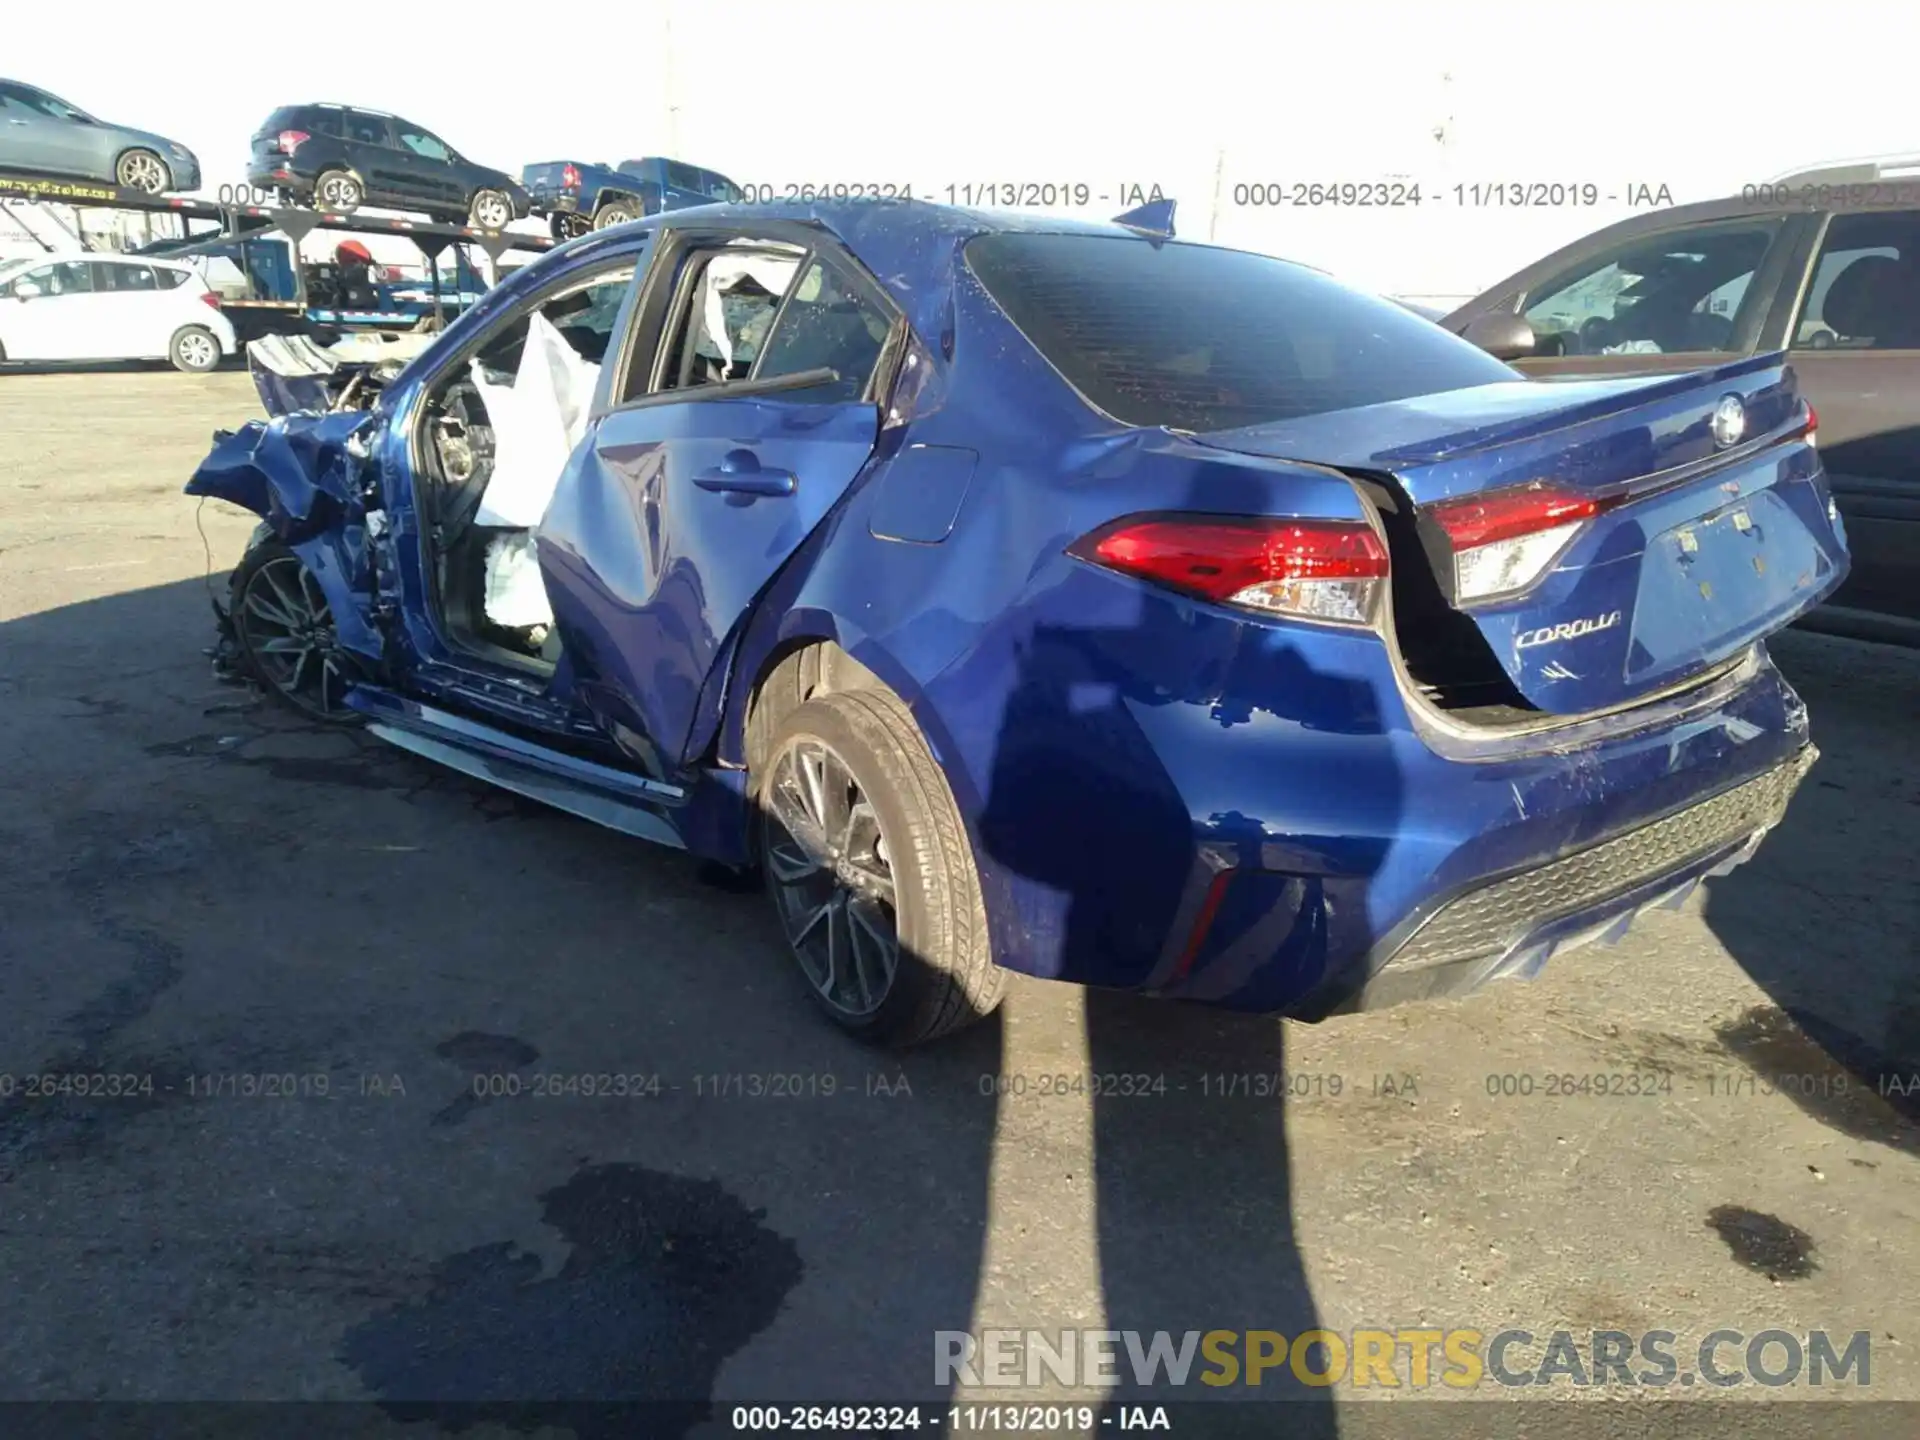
(339, 157)
(1824, 264)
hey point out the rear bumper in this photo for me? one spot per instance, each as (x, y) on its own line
(553, 202)
(1510, 927)
(277, 177)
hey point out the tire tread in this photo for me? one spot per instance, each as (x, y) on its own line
(965, 983)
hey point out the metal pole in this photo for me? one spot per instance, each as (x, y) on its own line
(668, 90)
(1219, 170)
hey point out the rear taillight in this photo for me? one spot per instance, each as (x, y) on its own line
(209, 298)
(1309, 569)
(1810, 431)
(288, 141)
(569, 178)
(1503, 541)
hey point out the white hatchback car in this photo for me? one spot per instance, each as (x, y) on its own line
(111, 307)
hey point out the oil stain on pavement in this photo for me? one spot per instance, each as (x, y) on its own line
(1764, 1243)
(484, 1057)
(667, 1278)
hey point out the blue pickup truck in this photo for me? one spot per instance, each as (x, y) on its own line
(577, 197)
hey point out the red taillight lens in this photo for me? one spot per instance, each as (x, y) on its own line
(209, 298)
(1504, 540)
(1810, 432)
(1312, 569)
(1509, 514)
(291, 140)
(569, 178)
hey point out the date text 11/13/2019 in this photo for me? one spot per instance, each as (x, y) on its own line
(952, 1419)
(971, 194)
(1479, 195)
(1242, 195)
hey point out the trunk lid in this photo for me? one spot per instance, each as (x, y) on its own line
(1607, 538)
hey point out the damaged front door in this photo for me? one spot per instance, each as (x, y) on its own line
(751, 413)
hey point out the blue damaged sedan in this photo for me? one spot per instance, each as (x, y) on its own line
(1015, 593)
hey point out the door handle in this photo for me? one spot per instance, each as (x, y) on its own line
(739, 473)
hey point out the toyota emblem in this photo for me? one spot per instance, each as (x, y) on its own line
(1729, 421)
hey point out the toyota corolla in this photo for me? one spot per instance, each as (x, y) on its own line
(1016, 593)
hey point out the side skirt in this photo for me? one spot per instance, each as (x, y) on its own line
(631, 804)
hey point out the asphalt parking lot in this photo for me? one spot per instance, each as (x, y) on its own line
(200, 889)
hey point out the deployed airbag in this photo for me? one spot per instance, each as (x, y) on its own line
(514, 596)
(536, 422)
(724, 272)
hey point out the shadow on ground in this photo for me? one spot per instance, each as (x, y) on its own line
(222, 895)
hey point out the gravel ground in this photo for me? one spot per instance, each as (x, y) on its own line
(199, 887)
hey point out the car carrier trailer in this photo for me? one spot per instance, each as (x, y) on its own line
(264, 242)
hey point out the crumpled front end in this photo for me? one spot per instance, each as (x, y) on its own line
(292, 374)
(307, 476)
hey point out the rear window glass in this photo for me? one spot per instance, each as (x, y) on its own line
(1197, 338)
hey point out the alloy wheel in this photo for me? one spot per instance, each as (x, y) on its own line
(491, 212)
(832, 879)
(143, 172)
(287, 628)
(198, 351)
(339, 192)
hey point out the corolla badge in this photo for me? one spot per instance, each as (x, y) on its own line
(1570, 630)
(1729, 421)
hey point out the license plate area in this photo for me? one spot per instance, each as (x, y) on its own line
(1714, 583)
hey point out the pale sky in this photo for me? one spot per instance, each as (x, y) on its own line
(1193, 96)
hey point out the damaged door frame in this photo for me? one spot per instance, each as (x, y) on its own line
(510, 686)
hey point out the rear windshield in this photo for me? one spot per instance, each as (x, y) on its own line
(1196, 338)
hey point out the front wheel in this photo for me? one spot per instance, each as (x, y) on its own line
(491, 210)
(284, 629)
(871, 874)
(144, 171)
(194, 350)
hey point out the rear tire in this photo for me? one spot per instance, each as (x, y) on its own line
(615, 212)
(338, 192)
(194, 350)
(892, 853)
(284, 633)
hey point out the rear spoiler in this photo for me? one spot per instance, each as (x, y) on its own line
(1627, 397)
